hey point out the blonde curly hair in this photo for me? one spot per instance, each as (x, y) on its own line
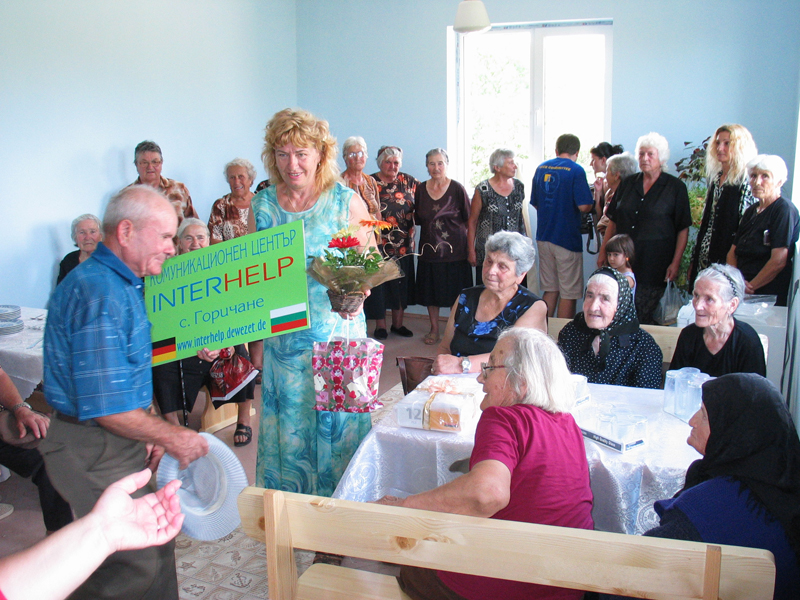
(303, 130)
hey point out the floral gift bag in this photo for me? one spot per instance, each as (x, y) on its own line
(346, 374)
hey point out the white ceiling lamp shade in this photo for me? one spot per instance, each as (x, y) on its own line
(471, 17)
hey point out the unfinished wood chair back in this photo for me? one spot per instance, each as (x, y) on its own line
(574, 558)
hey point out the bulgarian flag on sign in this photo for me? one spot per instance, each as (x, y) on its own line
(288, 318)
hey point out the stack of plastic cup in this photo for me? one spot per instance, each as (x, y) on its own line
(669, 391)
(676, 388)
(691, 401)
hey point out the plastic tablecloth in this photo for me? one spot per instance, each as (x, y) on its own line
(21, 354)
(399, 461)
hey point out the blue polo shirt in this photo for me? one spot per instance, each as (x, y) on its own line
(559, 188)
(97, 348)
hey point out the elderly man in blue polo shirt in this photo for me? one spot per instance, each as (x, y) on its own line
(97, 375)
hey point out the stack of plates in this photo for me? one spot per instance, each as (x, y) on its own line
(9, 312)
(10, 323)
(11, 327)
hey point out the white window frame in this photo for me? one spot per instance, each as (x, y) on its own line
(456, 141)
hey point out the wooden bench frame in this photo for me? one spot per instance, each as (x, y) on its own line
(636, 566)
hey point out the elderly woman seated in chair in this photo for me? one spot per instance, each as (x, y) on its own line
(745, 490)
(605, 342)
(482, 313)
(717, 343)
(528, 464)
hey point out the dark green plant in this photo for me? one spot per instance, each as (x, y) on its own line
(692, 171)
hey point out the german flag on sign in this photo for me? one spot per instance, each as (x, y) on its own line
(164, 351)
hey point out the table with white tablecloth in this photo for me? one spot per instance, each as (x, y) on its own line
(400, 461)
(21, 354)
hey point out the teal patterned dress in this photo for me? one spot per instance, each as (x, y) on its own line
(301, 449)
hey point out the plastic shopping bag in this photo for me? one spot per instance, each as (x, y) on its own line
(666, 313)
(347, 374)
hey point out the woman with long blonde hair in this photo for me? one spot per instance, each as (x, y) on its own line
(728, 197)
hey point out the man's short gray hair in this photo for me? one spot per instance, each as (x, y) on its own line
(77, 221)
(146, 146)
(537, 371)
(354, 140)
(241, 162)
(514, 245)
(729, 280)
(657, 141)
(188, 222)
(130, 204)
(622, 164)
(498, 158)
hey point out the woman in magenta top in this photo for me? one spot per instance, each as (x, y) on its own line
(529, 464)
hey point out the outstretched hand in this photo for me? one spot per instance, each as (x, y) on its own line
(132, 524)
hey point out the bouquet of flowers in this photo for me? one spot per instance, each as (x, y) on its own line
(347, 269)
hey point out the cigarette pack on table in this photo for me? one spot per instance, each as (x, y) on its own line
(441, 403)
(613, 427)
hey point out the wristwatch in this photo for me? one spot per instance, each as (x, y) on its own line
(16, 407)
(466, 364)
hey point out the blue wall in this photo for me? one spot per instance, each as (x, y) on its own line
(377, 68)
(82, 82)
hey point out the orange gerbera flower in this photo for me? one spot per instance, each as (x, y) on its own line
(376, 224)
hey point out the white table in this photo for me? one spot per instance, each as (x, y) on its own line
(400, 461)
(21, 354)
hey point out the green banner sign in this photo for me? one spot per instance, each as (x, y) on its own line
(245, 289)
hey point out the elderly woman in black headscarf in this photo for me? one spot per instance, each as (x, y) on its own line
(745, 491)
(605, 342)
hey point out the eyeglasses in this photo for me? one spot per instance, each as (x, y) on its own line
(486, 367)
(147, 163)
(358, 154)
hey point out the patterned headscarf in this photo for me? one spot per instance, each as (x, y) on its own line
(753, 440)
(624, 324)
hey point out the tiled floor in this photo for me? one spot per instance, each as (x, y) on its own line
(25, 527)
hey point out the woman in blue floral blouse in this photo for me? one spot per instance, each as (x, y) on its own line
(482, 313)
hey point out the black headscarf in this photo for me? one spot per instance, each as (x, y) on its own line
(754, 441)
(624, 324)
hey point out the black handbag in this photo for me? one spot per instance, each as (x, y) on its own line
(587, 226)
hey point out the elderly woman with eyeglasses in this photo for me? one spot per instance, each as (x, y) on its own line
(86, 232)
(396, 195)
(148, 160)
(717, 343)
(482, 313)
(177, 384)
(354, 152)
(497, 205)
(653, 208)
(764, 246)
(528, 464)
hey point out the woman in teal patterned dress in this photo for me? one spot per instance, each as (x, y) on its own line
(301, 449)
